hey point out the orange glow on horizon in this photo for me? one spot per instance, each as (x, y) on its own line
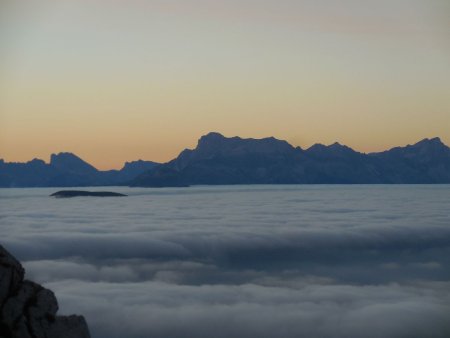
(115, 81)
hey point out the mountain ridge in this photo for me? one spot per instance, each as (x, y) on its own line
(217, 159)
(66, 169)
(233, 160)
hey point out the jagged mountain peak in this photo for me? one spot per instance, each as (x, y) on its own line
(213, 135)
(333, 149)
(212, 139)
(132, 169)
(337, 145)
(430, 142)
(137, 163)
(37, 161)
(217, 143)
(427, 145)
(55, 157)
(69, 161)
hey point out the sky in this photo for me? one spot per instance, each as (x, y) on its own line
(115, 81)
(233, 261)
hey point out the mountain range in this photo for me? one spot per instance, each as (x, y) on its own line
(67, 170)
(219, 160)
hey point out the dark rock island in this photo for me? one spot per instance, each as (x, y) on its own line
(82, 193)
(28, 310)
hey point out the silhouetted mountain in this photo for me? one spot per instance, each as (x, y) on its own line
(427, 161)
(221, 160)
(70, 163)
(67, 170)
(132, 169)
(161, 176)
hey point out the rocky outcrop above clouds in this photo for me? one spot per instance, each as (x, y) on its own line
(28, 310)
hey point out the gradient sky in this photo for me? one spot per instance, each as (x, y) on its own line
(115, 81)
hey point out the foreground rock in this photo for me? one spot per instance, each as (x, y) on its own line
(27, 310)
(77, 193)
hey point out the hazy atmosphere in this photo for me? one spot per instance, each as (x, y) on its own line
(120, 80)
(280, 261)
(225, 168)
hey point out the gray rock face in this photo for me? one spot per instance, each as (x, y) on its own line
(27, 310)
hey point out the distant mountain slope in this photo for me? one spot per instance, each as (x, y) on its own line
(221, 160)
(131, 170)
(67, 170)
(427, 161)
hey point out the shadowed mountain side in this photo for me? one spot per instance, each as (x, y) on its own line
(427, 161)
(161, 176)
(67, 170)
(219, 160)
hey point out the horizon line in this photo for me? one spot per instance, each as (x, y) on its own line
(437, 138)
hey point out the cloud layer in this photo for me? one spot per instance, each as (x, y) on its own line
(158, 309)
(318, 261)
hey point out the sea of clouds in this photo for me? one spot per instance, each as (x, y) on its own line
(242, 261)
